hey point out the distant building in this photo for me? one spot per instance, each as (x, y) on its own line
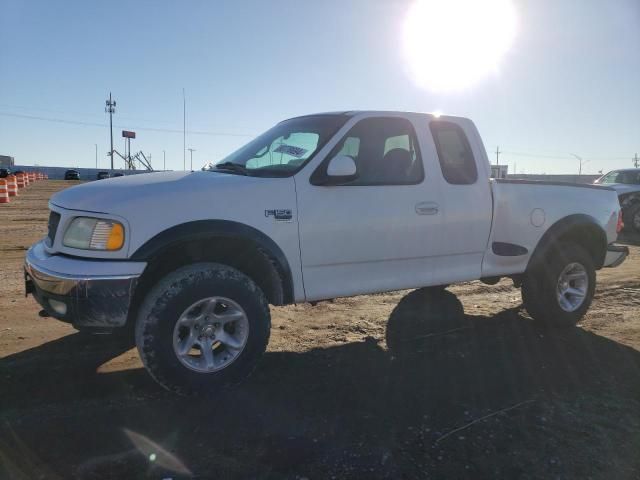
(6, 161)
(499, 171)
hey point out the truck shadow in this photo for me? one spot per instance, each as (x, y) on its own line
(351, 404)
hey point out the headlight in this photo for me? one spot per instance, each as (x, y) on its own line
(94, 234)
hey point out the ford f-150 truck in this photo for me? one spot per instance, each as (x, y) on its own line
(318, 207)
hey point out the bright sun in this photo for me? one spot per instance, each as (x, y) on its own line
(451, 44)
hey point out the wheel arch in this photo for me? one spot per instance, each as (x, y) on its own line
(581, 229)
(232, 243)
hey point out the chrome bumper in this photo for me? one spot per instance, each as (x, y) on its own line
(616, 254)
(87, 299)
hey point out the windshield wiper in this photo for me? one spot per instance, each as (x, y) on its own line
(232, 167)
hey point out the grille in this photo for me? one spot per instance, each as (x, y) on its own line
(54, 220)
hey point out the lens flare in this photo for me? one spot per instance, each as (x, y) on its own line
(453, 44)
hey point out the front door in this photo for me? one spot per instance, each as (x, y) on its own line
(380, 231)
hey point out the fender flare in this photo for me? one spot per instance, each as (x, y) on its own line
(563, 227)
(225, 229)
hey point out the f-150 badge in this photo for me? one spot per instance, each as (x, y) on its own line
(284, 215)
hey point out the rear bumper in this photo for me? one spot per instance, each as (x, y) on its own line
(86, 293)
(616, 254)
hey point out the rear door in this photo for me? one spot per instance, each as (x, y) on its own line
(467, 206)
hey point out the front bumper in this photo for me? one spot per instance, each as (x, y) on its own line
(86, 293)
(616, 254)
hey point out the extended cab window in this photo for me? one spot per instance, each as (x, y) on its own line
(385, 151)
(454, 152)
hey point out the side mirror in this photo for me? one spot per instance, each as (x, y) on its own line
(341, 168)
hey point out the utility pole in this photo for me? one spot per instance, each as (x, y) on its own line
(636, 161)
(96, 154)
(191, 150)
(110, 109)
(164, 160)
(498, 152)
(582, 162)
(184, 131)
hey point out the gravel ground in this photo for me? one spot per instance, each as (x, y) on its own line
(487, 395)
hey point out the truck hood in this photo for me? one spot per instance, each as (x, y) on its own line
(120, 194)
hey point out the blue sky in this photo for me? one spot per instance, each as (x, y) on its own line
(569, 84)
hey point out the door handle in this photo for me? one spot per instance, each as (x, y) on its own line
(427, 208)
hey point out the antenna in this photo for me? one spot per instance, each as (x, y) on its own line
(184, 131)
(191, 150)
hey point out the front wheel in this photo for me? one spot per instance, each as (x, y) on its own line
(203, 327)
(559, 291)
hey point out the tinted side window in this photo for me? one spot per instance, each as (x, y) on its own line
(385, 151)
(454, 152)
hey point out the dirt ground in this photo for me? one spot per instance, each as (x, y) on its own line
(487, 395)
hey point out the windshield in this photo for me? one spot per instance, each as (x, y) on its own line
(628, 177)
(282, 150)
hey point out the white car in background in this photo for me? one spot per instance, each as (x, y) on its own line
(626, 183)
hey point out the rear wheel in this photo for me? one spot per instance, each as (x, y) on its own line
(559, 291)
(203, 327)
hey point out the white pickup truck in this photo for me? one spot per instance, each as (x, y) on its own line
(318, 207)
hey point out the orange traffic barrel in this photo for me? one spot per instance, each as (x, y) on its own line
(12, 186)
(32, 177)
(26, 179)
(20, 180)
(4, 193)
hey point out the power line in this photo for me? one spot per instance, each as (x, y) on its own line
(533, 155)
(498, 152)
(102, 125)
(78, 114)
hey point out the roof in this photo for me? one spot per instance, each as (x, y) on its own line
(351, 113)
